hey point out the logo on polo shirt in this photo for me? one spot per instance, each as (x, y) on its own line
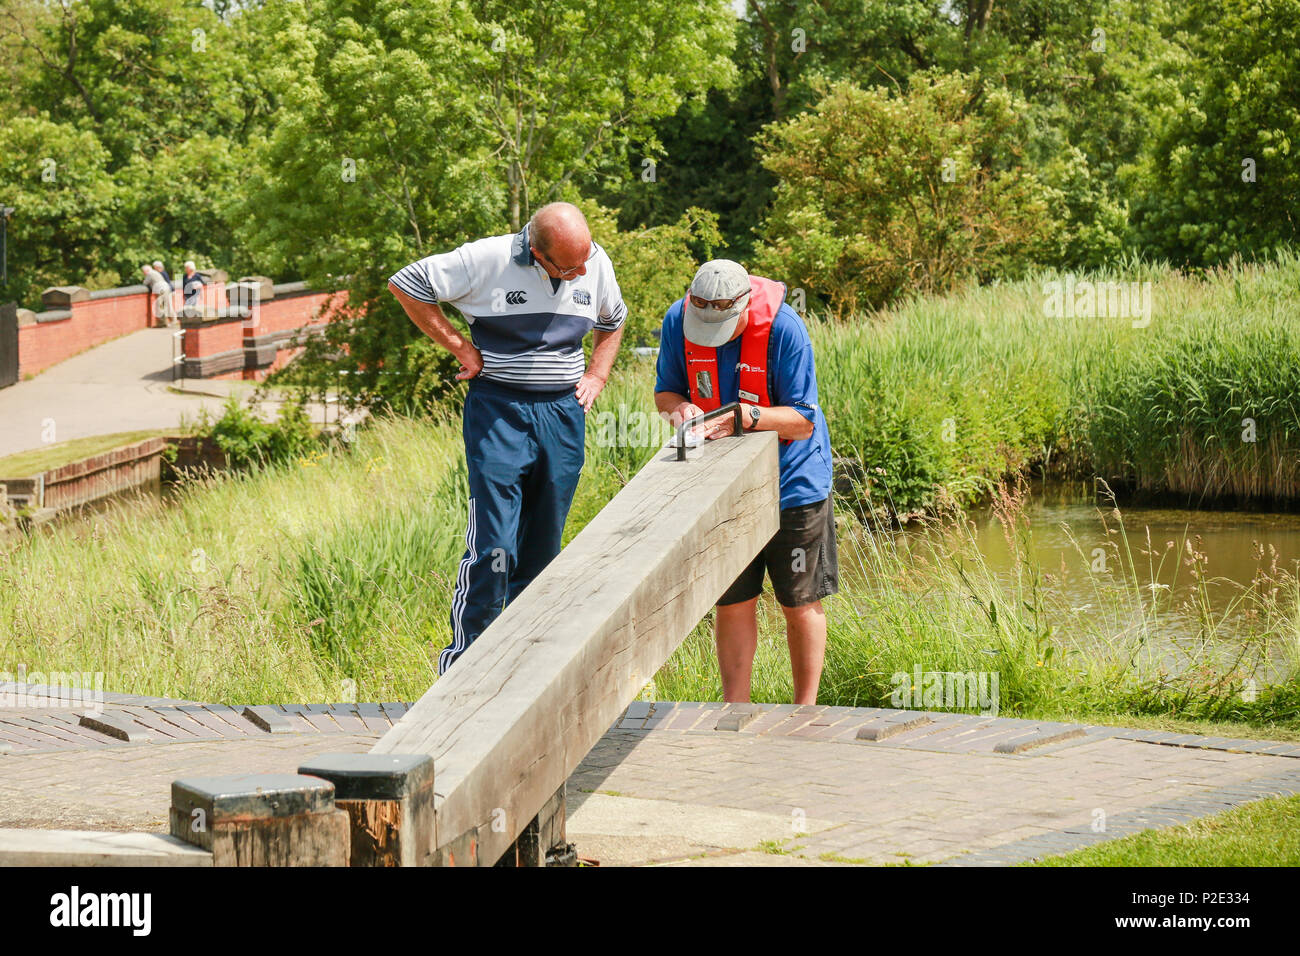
(516, 298)
(582, 297)
(745, 367)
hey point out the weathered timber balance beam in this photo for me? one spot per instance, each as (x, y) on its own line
(511, 721)
(476, 769)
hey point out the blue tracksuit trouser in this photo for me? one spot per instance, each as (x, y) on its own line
(525, 451)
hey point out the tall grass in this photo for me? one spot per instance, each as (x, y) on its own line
(945, 396)
(313, 580)
(930, 602)
(332, 574)
(303, 581)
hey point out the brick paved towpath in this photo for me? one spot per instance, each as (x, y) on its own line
(691, 784)
(122, 385)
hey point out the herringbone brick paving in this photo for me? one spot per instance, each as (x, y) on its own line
(938, 792)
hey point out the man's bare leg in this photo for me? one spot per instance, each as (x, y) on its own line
(736, 635)
(805, 632)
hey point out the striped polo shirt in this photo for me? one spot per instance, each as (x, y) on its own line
(528, 327)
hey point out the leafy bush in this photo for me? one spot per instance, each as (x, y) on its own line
(883, 193)
(251, 443)
(1218, 176)
(655, 265)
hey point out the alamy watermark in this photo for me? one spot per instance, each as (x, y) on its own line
(945, 690)
(1070, 298)
(632, 428)
(83, 690)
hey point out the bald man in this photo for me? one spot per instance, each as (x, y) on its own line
(530, 299)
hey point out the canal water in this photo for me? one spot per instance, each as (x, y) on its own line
(1165, 570)
(1237, 546)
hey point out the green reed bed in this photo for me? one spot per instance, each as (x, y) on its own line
(942, 397)
(930, 603)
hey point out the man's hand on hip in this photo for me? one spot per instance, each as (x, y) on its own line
(471, 363)
(589, 388)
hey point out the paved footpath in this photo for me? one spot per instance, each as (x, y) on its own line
(122, 385)
(691, 784)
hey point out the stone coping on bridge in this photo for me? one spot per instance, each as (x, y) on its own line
(75, 319)
(58, 300)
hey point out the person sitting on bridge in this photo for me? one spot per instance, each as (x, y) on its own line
(530, 299)
(733, 338)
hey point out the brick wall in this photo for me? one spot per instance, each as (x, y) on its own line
(258, 330)
(243, 330)
(76, 320)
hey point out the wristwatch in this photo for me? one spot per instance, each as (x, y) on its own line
(753, 417)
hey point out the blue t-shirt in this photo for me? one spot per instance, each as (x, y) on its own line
(791, 380)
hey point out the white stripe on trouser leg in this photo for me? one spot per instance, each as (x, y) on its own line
(461, 594)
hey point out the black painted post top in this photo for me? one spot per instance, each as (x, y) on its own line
(372, 776)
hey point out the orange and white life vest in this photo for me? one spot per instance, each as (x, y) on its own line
(765, 300)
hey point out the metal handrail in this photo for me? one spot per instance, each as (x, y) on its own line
(708, 416)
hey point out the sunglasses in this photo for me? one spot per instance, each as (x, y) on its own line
(720, 304)
(566, 273)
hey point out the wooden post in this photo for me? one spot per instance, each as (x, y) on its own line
(543, 840)
(277, 819)
(511, 720)
(389, 802)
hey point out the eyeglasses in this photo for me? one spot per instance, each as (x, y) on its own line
(720, 304)
(566, 273)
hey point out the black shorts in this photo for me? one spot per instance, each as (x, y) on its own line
(801, 558)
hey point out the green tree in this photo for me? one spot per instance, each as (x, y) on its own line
(883, 192)
(65, 201)
(1220, 175)
(404, 130)
(183, 202)
(655, 264)
(167, 92)
(142, 75)
(1078, 66)
(566, 84)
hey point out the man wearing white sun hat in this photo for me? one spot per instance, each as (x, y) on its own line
(733, 338)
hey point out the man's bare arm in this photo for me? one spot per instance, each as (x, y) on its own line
(603, 350)
(430, 320)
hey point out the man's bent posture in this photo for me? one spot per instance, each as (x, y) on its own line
(732, 338)
(530, 299)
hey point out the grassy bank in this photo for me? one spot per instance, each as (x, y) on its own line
(931, 604)
(1266, 833)
(37, 460)
(332, 574)
(941, 397)
(277, 585)
(311, 580)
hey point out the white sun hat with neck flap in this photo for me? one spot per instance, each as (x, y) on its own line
(717, 280)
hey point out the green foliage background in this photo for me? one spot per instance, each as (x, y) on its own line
(336, 142)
